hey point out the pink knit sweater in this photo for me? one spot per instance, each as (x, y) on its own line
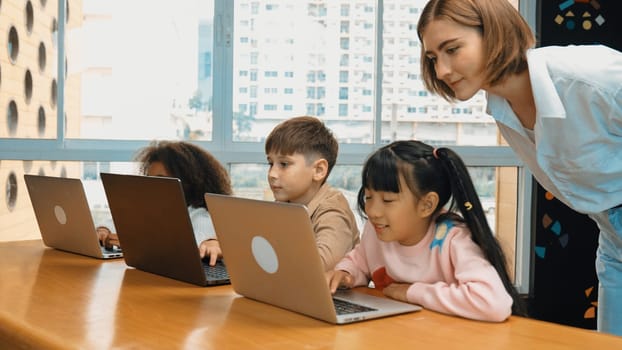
(447, 272)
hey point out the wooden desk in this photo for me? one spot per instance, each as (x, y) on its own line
(51, 299)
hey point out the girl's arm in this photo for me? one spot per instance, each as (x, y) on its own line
(201, 224)
(205, 234)
(470, 287)
(355, 262)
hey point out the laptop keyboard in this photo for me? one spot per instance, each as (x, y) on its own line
(343, 307)
(216, 272)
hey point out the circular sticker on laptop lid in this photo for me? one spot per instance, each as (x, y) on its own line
(59, 212)
(264, 254)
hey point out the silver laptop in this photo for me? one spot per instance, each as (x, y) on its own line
(272, 257)
(64, 216)
(155, 231)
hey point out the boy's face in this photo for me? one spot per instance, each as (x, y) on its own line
(291, 179)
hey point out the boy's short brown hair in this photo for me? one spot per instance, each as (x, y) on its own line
(305, 135)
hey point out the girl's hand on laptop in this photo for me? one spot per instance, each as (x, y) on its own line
(211, 248)
(338, 279)
(112, 240)
(106, 238)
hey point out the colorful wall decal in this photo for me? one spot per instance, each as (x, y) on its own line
(580, 21)
(590, 14)
(564, 279)
(590, 312)
(564, 271)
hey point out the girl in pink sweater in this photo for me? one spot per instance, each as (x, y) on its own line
(416, 251)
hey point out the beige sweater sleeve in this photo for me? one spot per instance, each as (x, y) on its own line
(334, 225)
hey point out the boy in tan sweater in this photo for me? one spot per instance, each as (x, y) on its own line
(301, 152)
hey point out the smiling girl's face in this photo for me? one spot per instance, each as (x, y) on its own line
(397, 216)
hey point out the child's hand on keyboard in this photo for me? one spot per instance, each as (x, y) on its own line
(106, 238)
(338, 279)
(211, 248)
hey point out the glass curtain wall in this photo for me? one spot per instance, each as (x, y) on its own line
(86, 83)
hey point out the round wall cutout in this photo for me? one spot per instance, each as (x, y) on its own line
(53, 92)
(13, 44)
(42, 56)
(12, 118)
(28, 86)
(11, 191)
(29, 13)
(41, 121)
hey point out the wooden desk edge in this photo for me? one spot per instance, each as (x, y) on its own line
(12, 332)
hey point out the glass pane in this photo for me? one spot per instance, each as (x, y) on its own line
(497, 188)
(484, 179)
(347, 178)
(95, 190)
(139, 69)
(303, 58)
(28, 70)
(408, 110)
(250, 180)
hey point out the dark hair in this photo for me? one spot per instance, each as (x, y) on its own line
(442, 171)
(506, 36)
(305, 135)
(198, 170)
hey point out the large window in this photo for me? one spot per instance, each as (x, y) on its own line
(85, 83)
(137, 61)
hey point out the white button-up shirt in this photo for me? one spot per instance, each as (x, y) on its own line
(577, 150)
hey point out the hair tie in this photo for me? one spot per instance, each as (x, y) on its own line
(468, 205)
(435, 153)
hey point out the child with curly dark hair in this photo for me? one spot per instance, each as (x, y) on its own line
(199, 172)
